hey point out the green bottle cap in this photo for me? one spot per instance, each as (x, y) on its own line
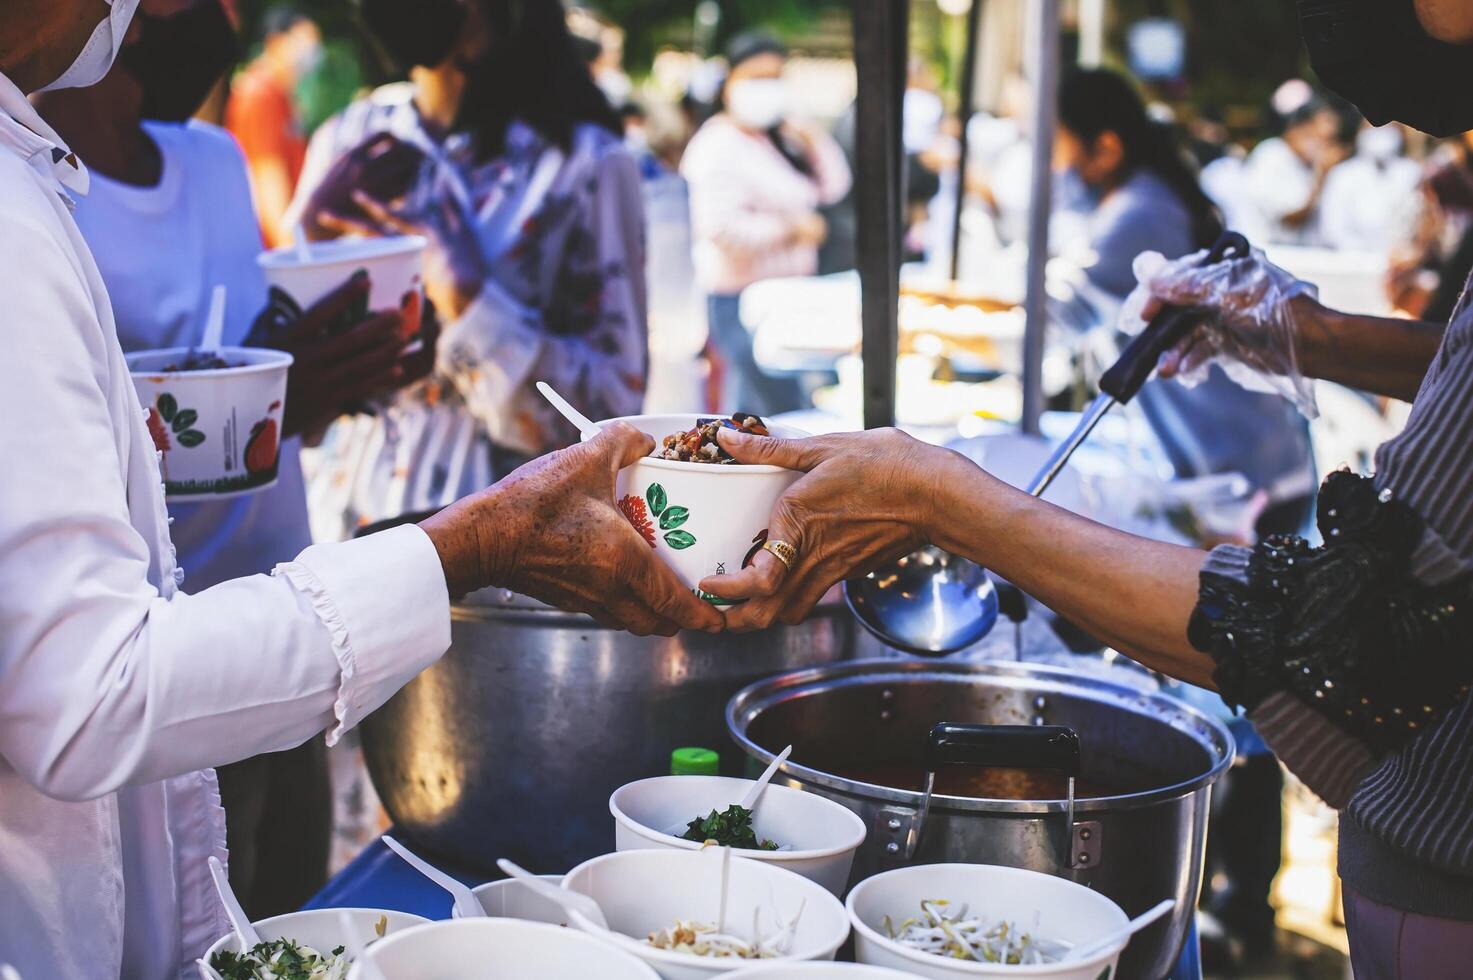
(694, 762)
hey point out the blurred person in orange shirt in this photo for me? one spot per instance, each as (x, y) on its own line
(264, 119)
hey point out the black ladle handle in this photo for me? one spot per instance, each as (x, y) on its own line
(1051, 747)
(1166, 329)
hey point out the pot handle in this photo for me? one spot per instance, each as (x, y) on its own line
(1164, 332)
(1003, 747)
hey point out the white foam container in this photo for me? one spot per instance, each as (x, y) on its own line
(222, 427)
(1066, 912)
(643, 891)
(818, 837)
(509, 898)
(321, 928)
(395, 266)
(495, 949)
(725, 509)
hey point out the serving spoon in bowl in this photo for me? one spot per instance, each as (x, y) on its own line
(1086, 950)
(569, 900)
(245, 933)
(749, 801)
(466, 902)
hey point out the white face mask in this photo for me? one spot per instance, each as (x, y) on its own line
(1380, 145)
(757, 103)
(101, 48)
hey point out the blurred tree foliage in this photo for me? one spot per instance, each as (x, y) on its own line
(651, 24)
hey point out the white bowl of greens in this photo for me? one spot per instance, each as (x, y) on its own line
(312, 940)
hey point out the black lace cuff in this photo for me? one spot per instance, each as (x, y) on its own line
(1343, 627)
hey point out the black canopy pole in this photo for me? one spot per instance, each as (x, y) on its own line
(880, 49)
(964, 113)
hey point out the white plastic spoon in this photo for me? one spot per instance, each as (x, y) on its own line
(1124, 932)
(368, 969)
(749, 802)
(214, 322)
(571, 901)
(580, 421)
(206, 972)
(244, 931)
(303, 247)
(466, 902)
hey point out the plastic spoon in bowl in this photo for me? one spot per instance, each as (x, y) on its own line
(368, 969)
(206, 971)
(580, 421)
(749, 802)
(1087, 950)
(571, 901)
(214, 322)
(303, 247)
(466, 902)
(244, 931)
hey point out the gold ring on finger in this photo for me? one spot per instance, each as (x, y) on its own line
(782, 551)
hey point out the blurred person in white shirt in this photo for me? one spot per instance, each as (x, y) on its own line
(1370, 198)
(1285, 175)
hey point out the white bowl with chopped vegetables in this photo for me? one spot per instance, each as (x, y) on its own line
(500, 949)
(316, 933)
(666, 906)
(812, 836)
(701, 518)
(990, 911)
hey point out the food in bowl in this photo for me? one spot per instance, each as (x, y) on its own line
(729, 828)
(287, 959)
(704, 939)
(199, 360)
(700, 444)
(960, 937)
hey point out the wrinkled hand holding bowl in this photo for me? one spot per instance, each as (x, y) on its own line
(320, 928)
(395, 267)
(701, 518)
(817, 836)
(644, 891)
(495, 949)
(1066, 912)
(219, 429)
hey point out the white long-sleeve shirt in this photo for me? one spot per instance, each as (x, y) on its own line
(117, 690)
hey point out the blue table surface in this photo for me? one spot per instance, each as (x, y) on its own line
(378, 879)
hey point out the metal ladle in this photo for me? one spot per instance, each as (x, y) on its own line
(932, 603)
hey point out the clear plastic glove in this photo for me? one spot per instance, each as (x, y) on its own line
(1247, 323)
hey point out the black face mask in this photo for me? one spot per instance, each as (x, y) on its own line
(177, 60)
(1376, 54)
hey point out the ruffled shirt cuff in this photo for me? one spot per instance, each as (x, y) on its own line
(384, 602)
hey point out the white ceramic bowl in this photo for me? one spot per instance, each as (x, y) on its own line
(1065, 912)
(497, 949)
(818, 836)
(643, 891)
(395, 267)
(320, 928)
(219, 430)
(816, 971)
(511, 899)
(701, 518)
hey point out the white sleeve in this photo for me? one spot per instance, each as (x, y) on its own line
(103, 681)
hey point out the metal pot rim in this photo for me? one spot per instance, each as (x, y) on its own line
(1209, 733)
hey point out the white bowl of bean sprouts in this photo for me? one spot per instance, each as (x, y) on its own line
(999, 922)
(666, 907)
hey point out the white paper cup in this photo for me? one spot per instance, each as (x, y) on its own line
(395, 267)
(321, 928)
(498, 949)
(510, 898)
(219, 430)
(1066, 912)
(700, 518)
(644, 891)
(817, 836)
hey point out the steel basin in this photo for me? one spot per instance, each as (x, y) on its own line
(511, 744)
(1139, 841)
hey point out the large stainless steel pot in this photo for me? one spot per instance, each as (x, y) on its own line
(512, 743)
(1141, 843)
